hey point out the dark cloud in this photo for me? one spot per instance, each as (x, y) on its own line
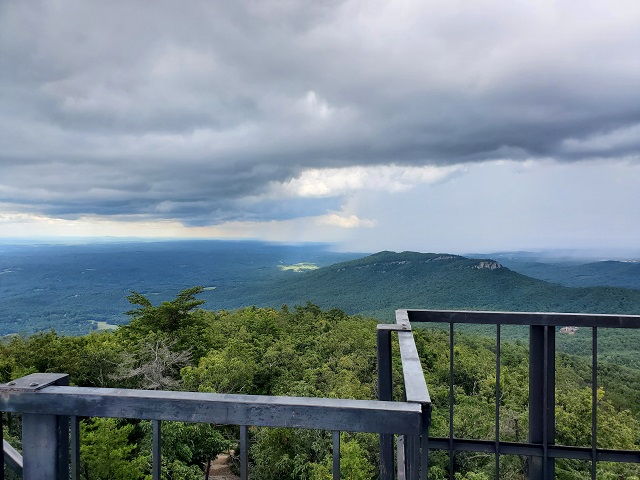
(189, 111)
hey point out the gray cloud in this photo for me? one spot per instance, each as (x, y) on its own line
(186, 110)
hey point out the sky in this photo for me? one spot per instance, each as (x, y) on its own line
(441, 125)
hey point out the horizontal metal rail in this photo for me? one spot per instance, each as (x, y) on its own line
(262, 411)
(541, 448)
(50, 408)
(523, 318)
(415, 384)
(531, 450)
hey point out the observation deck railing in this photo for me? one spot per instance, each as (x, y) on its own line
(540, 449)
(51, 409)
(51, 412)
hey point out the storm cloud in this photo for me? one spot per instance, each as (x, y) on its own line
(206, 112)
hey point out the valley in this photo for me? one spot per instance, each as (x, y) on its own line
(76, 289)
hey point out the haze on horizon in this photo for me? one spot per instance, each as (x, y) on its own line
(372, 125)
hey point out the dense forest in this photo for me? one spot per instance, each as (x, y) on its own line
(308, 351)
(72, 287)
(377, 284)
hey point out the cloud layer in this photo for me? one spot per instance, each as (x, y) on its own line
(260, 110)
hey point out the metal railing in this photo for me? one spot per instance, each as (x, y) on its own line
(540, 449)
(51, 411)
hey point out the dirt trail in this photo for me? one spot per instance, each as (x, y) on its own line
(220, 469)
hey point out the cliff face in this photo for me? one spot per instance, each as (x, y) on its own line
(491, 265)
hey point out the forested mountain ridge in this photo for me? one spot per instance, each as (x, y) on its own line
(610, 273)
(69, 288)
(378, 284)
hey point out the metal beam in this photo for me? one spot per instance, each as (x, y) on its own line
(527, 449)
(542, 374)
(258, 410)
(524, 318)
(414, 383)
(35, 381)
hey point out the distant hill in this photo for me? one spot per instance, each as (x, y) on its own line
(378, 284)
(605, 273)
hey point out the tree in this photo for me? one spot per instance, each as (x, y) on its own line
(191, 443)
(184, 327)
(168, 316)
(154, 363)
(353, 463)
(230, 370)
(105, 451)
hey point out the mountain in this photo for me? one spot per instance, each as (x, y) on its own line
(378, 284)
(610, 273)
(69, 287)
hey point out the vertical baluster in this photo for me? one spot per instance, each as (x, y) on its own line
(551, 397)
(451, 399)
(244, 452)
(498, 393)
(336, 455)
(594, 400)
(412, 456)
(402, 463)
(385, 392)
(156, 458)
(75, 447)
(545, 411)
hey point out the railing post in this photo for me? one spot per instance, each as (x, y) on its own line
(385, 392)
(542, 381)
(45, 438)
